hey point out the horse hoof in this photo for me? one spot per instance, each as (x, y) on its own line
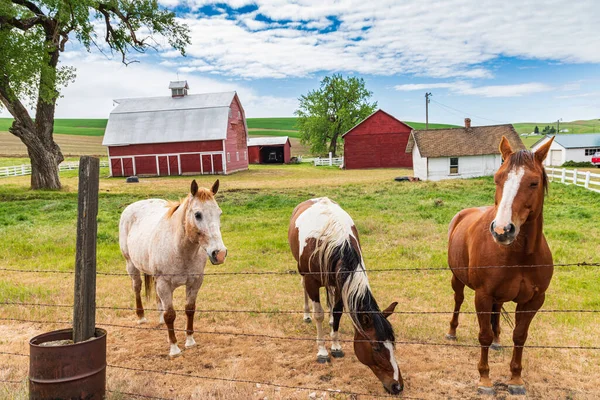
(488, 391)
(308, 320)
(142, 320)
(323, 359)
(516, 390)
(175, 351)
(496, 346)
(190, 342)
(450, 337)
(337, 353)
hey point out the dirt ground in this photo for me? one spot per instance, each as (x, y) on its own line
(71, 145)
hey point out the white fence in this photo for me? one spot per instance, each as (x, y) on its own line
(329, 161)
(586, 179)
(25, 169)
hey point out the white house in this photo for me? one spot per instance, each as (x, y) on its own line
(459, 152)
(573, 147)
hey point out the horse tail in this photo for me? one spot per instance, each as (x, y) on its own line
(148, 284)
(507, 318)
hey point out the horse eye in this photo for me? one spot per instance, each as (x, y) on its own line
(534, 184)
(376, 347)
(198, 215)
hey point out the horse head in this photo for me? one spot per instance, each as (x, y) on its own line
(374, 346)
(521, 183)
(203, 222)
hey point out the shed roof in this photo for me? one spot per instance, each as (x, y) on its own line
(575, 141)
(453, 142)
(373, 113)
(197, 117)
(268, 141)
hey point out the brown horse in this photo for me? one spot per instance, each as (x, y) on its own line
(324, 242)
(507, 235)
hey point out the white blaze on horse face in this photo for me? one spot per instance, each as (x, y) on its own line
(388, 345)
(511, 187)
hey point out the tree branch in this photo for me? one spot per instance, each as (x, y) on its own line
(32, 7)
(22, 24)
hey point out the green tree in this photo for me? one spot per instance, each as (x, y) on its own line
(33, 34)
(536, 130)
(326, 113)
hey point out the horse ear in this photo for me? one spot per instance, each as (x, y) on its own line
(390, 310)
(194, 188)
(215, 187)
(366, 321)
(505, 148)
(541, 153)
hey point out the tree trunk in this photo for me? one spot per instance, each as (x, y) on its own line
(44, 166)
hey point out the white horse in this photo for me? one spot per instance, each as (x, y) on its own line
(170, 243)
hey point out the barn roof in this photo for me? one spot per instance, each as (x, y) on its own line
(268, 141)
(574, 141)
(453, 142)
(375, 112)
(196, 117)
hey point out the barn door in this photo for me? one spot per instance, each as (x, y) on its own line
(207, 165)
(163, 166)
(173, 165)
(218, 163)
(555, 157)
(128, 169)
(115, 164)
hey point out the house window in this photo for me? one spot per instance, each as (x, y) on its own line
(453, 165)
(228, 157)
(237, 156)
(591, 152)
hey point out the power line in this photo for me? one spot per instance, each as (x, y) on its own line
(468, 113)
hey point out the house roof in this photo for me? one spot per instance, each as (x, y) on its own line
(268, 141)
(375, 112)
(166, 119)
(453, 142)
(574, 141)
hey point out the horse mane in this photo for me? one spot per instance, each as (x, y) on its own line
(202, 194)
(526, 158)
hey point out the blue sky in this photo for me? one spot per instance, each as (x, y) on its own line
(492, 61)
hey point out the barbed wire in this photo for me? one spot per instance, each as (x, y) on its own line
(303, 339)
(294, 272)
(234, 311)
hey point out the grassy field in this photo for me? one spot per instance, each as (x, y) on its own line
(583, 126)
(401, 225)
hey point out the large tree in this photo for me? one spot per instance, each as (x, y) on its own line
(33, 33)
(326, 113)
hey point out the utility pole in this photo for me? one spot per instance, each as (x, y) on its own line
(558, 125)
(427, 94)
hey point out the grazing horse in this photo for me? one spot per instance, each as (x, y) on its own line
(507, 235)
(169, 242)
(324, 242)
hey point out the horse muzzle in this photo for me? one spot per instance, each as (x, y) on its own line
(217, 257)
(394, 388)
(503, 235)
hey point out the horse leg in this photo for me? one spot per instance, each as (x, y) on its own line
(336, 347)
(330, 300)
(319, 314)
(459, 297)
(523, 320)
(483, 305)
(496, 310)
(191, 292)
(161, 310)
(306, 308)
(136, 281)
(163, 288)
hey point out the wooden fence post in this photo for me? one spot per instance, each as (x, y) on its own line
(575, 177)
(587, 179)
(563, 176)
(84, 309)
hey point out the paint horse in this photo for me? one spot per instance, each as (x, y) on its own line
(169, 242)
(324, 242)
(509, 234)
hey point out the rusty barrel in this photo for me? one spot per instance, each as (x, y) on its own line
(69, 371)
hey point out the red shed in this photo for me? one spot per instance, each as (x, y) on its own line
(379, 141)
(177, 134)
(269, 150)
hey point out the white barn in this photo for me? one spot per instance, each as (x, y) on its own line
(459, 152)
(579, 148)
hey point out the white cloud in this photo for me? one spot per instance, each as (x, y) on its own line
(446, 39)
(466, 88)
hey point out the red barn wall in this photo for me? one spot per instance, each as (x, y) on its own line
(254, 154)
(378, 142)
(236, 144)
(287, 152)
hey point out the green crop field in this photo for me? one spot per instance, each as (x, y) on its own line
(83, 127)
(401, 225)
(584, 126)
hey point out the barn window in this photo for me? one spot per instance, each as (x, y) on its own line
(237, 156)
(454, 165)
(228, 157)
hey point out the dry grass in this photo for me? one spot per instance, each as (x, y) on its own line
(401, 225)
(71, 145)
